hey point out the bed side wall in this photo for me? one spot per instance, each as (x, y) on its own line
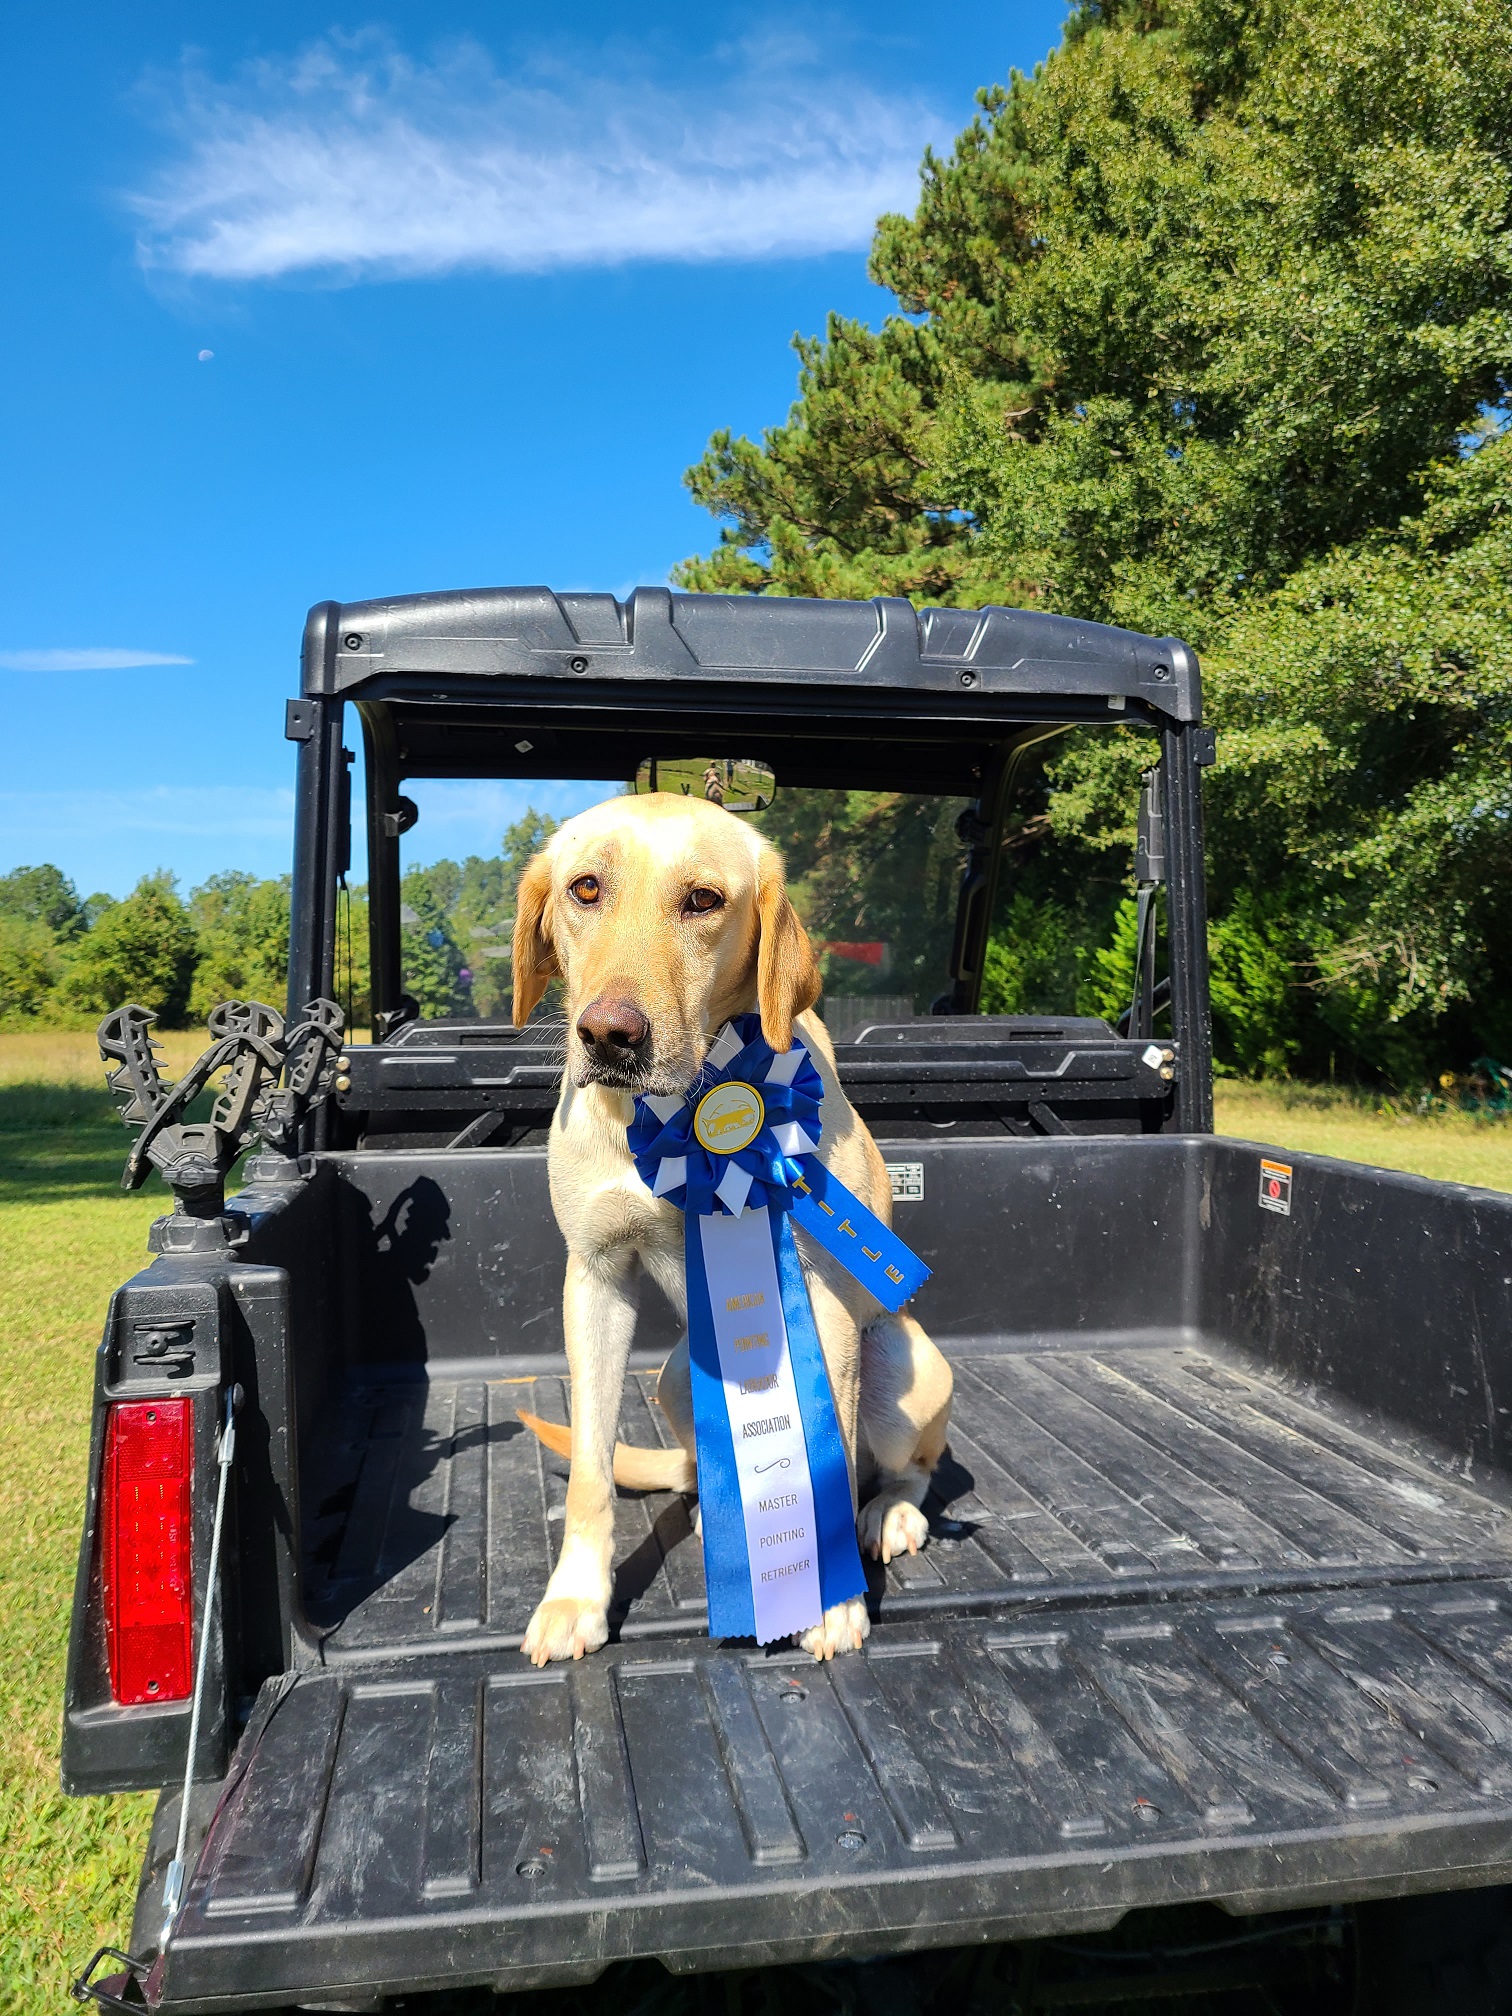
(1389, 1289)
(457, 1257)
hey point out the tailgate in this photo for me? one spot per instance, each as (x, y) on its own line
(451, 1819)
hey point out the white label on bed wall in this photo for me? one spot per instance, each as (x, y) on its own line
(1275, 1187)
(907, 1180)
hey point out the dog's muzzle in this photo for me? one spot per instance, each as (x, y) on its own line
(616, 1040)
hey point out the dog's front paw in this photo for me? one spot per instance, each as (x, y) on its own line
(888, 1527)
(844, 1627)
(564, 1629)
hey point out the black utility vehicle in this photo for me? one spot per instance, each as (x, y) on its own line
(1219, 1600)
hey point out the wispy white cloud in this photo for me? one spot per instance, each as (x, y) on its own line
(357, 161)
(85, 661)
(109, 837)
(230, 812)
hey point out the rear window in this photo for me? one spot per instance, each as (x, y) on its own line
(874, 875)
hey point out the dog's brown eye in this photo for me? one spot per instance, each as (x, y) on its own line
(585, 890)
(700, 901)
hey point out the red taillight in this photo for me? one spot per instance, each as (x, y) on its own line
(145, 1550)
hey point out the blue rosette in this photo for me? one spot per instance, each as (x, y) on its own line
(673, 1163)
(736, 1154)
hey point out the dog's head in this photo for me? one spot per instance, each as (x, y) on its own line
(664, 916)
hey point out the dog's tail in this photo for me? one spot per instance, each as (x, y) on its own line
(635, 1469)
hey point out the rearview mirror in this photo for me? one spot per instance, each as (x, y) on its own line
(738, 783)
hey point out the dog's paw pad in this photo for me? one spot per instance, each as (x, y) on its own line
(563, 1629)
(845, 1627)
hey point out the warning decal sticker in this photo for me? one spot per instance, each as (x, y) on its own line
(1275, 1187)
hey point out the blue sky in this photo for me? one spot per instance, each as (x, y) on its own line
(477, 282)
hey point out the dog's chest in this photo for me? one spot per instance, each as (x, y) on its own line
(599, 1200)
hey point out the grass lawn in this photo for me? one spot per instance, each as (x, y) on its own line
(1454, 1148)
(68, 1235)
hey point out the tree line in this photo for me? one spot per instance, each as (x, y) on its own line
(66, 960)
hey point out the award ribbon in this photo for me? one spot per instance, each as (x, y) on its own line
(737, 1153)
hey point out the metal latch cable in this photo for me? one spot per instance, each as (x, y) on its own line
(173, 1888)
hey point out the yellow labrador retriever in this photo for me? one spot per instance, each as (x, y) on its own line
(664, 916)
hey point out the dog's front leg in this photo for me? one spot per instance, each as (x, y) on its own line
(598, 1309)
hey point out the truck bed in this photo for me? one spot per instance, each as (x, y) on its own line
(1217, 1605)
(1148, 1470)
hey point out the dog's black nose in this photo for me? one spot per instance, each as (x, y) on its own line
(615, 1031)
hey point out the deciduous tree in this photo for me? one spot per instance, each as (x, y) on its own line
(241, 925)
(141, 950)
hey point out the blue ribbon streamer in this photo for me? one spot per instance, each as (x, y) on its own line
(864, 1246)
(840, 1572)
(789, 1186)
(727, 1567)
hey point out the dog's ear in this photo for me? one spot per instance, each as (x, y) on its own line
(535, 960)
(787, 973)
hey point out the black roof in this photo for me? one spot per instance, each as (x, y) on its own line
(534, 647)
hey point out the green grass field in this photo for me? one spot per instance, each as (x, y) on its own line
(1453, 1148)
(67, 1236)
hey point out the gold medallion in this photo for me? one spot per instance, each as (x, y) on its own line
(729, 1118)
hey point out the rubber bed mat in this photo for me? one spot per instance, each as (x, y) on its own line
(433, 1516)
(466, 1818)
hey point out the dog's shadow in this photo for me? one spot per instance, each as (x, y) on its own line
(672, 1527)
(639, 1569)
(951, 1481)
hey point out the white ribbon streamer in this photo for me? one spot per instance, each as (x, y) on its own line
(766, 1427)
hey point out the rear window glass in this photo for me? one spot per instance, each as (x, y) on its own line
(874, 875)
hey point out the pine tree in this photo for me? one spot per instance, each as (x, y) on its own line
(1207, 328)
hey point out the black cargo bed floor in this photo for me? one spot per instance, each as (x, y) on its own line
(1072, 1476)
(446, 1818)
